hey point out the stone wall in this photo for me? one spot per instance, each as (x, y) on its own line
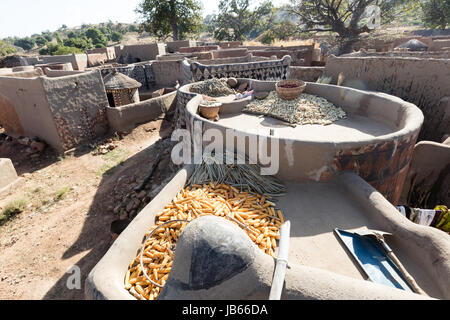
(424, 82)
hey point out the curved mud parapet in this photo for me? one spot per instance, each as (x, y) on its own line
(215, 259)
(422, 81)
(375, 140)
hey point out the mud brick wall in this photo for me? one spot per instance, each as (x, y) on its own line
(78, 107)
(424, 82)
(197, 49)
(229, 53)
(310, 74)
(139, 52)
(174, 46)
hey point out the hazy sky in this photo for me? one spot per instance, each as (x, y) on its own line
(25, 17)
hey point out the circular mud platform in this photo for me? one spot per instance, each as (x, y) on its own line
(375, 140)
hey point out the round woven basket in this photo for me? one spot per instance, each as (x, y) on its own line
(209, 111)
(290, 93)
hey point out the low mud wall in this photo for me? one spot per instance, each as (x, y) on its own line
(423, 82)
(310, 74)
(197, 49)
(174, 46)
(230, 53)
(127, 117)
(437, 45)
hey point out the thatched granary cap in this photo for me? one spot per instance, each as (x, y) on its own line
(118, 81)
(414, 45)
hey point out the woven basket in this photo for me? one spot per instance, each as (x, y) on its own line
(290, 93)
(209, 111)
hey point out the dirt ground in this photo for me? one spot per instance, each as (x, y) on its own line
(69, 210)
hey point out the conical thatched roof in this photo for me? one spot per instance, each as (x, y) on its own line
(117, 81)
(414, 45)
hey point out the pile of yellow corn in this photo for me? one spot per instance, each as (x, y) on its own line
(252, 212)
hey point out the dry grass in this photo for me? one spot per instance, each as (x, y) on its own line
(12, 208)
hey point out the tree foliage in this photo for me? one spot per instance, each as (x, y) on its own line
(25, 43)
(347, 18)
(236, 20)
(116, 36)
(436, 13)
(81, 43)
(98, 39)
(170, 17)
(40, 41)
(58, 49)
(6, 48)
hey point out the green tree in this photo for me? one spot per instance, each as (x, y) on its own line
(25, 43)
(236, 21)
(209, 23)
(6, 48)
(116, 36)
(132, 28)
(436, 13)
(80, 43)
(40, 41)
(71, 35)
(66, 50)
(58, 38)
(47, 35)
(164, 17)
(348, 18)
(58, 49)
(97, 37)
